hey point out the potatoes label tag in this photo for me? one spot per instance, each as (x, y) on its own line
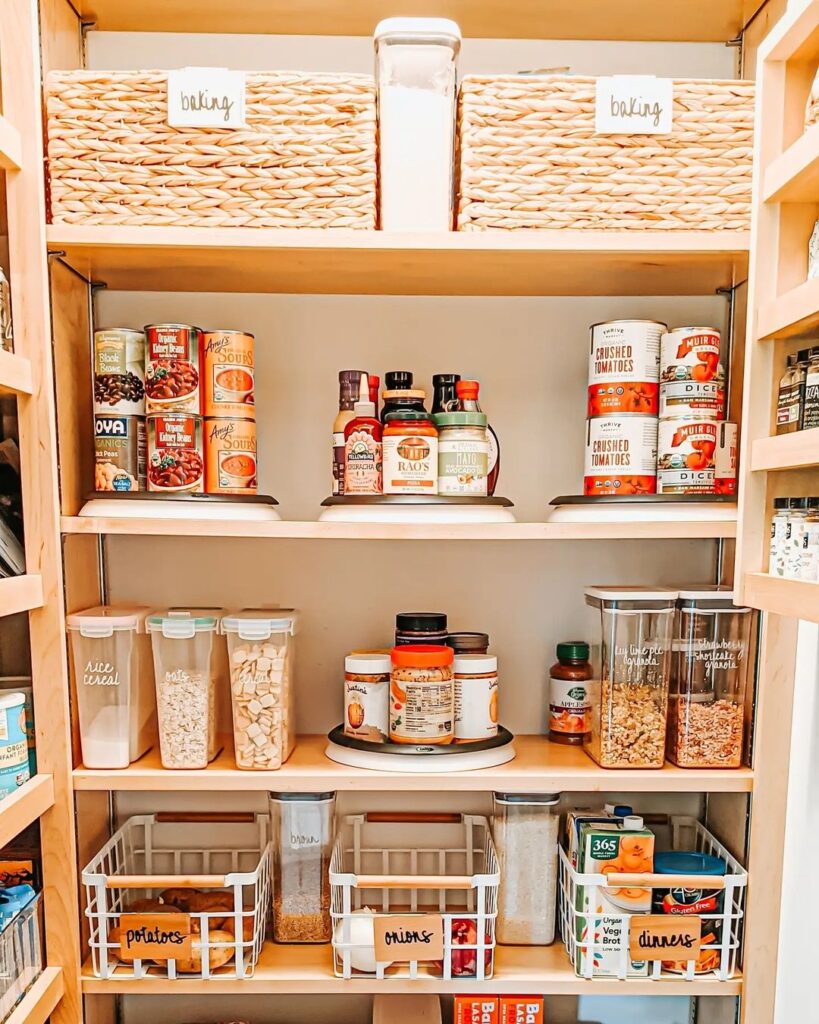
(665, 937)
(633, 105)
(156, 936)
(405, 937)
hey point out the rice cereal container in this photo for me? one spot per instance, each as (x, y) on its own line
(14, 767)
(120, 454)
(175, 456)
(119, 372)
(725, 459)
(692, 380)
(228, 375)
(624, 367)
(621, 455)
(172, 369)
(230, 456)
(685, 456)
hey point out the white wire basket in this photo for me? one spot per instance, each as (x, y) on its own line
(406, 863)
(582, 931)
(21, 955)
(197, 851)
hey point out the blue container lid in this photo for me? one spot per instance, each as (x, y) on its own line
(688, 862)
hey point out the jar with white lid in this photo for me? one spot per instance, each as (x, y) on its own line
(779, 531)
(809, 567)
(463, 453)
(795, 536)
(367, 696)
(416, 77)
(476, 697)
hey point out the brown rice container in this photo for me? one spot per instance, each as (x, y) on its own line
(175, 456)
(172, 370)
(230, 455)
(685, 456)
(621, 455)
(119, 453)
(228, 375)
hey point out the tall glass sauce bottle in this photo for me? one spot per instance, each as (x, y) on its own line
(467, 391)
(444, 395)
(350, 385)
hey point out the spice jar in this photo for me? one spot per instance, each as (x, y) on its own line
(569, 708)
(420, 628)
(476, 697)
(795, 536)
(525, 830)
(302, 838)
(779, 530)
(709, 670)
(809, 567)
(463, 453)
(422, 694)
(186, 665)
(410, 453)
(468, 643)
(367, 696)
(629, 696)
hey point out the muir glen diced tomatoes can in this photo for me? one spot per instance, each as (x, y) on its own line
(227, 375)
(692, 380)
(725, 459)
(624, 367)
(685, 456)
(172, 368)
(230, 456)
(175, 456)
(621, 455)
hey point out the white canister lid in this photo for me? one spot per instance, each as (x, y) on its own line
(12, 700)
(632, 593)
(474, 664)
(368, 664)
(419, 29)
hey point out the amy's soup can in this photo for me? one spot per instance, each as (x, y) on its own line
(230, 453)
(228, 375)
(624, 367)
(621, 455)
(685, 456)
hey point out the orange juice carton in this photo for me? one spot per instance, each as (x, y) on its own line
(477, 1010)
(576, 819)
(521, 1010)
(613, 847)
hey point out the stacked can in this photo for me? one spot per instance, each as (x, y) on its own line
(230, 412)
(623, 404)
(119, 410)
(692, 406)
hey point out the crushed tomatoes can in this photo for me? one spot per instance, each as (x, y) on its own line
(624, 367)
(685, 456)
(230, 456)
(692, 379)
(228, 375)
(175, 454)
(725, 459)
(621, 455)
(172, 368)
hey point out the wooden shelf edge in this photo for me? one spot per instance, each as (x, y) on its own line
(11, 146)
(15, 374)
(794, 312)
(793, 176)
(20, 594)
(795, 599)
(25, 805)
(39, 1002)
(799, 450)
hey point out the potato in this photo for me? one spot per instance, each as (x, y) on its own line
(207, 902)
(218, 957)
(247, 928)
(147, 906)
(115, 937)
(179, 898)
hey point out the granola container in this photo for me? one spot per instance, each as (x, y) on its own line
(709, 675)
(629, 689)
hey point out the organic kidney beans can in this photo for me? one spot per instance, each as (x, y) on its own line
(230, 456)
(624, 367)
(172, 371)
(725, 459)
(119, 372)
(175, 455)
(692, 379)
(119, 453)
(685, 456)
(227, 375)
(621, 455)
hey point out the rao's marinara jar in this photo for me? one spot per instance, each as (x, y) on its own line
(410, 453)
(422, 702)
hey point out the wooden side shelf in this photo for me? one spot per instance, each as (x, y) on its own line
(794, 176)
(791, 314)
(15, 374)
(11, 146)
(39, 1002)
(799, 450)
(24, 806)
(20, 594)
(796, 599)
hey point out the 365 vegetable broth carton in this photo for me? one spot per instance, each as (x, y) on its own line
(607, 847)
(576, 819)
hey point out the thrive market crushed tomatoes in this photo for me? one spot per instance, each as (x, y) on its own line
(624, 367)
(621, 455)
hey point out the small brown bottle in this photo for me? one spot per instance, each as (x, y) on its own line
(569, 702)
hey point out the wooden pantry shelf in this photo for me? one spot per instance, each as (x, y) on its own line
(39, 1002)
(794, 176)
(797, 599)
(290, 530)
(540, 766)
(791, 314)
(20, 594)
(15, 374)
(679, 20)
(11, 146)
(523, 970)
(25, 805)
(327, 261)
(799, 450)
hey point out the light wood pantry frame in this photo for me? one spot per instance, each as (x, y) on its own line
(303, 263)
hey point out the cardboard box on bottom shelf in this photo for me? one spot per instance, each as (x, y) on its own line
(494, 1010)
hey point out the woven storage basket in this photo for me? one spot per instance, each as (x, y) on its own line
(306, 158)
(530, 158)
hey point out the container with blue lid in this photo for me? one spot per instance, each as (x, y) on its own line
(688, 862)
(693, 901)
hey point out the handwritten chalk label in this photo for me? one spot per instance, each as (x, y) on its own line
(633, 105)
(665, 937)
(156, 936)
(405, 937)
(206, 98)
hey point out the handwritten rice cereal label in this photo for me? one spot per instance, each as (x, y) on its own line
(206, 98)
(665, 937)
(405, 937)
(633, 105)
(156, 936)
(100, 673)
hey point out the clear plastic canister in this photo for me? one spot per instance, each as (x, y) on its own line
(416, 77)
(186, 670)
(709, 674)
(629, 690)
(525, 831)
(303, 830)
(261, 655)
(113, 680)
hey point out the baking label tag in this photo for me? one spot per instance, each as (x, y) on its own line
(664, 937)
(156, 936)
(633, 105)
(206, 98)
(405, 937)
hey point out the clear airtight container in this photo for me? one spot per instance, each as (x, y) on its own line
(709, 674)
(629, 690)
(111, 656)
(261, 654)
(416, 77)
(186, 671)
